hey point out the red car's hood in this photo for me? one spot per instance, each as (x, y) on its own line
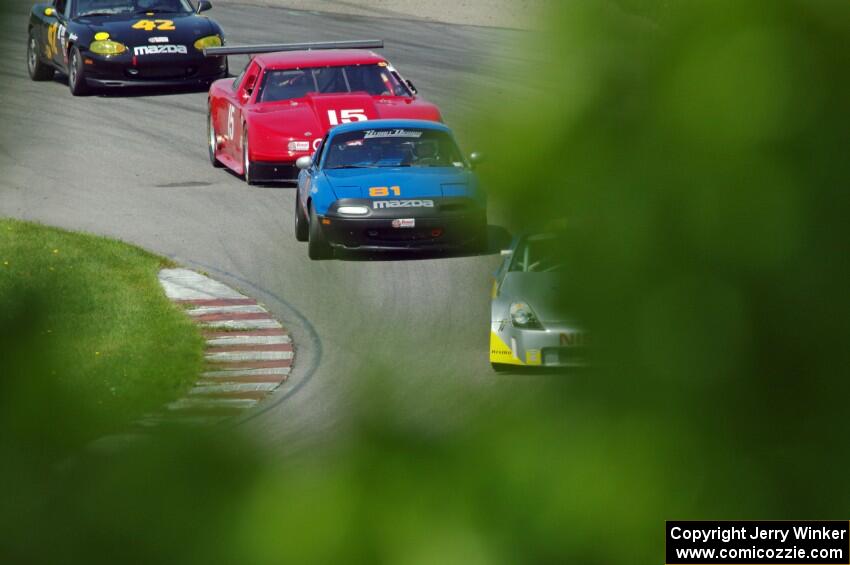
(272, 125)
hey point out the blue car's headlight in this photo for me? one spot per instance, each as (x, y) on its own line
(353, 210)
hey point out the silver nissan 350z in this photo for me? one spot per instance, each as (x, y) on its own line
(528, 324)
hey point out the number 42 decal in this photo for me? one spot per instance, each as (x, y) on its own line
(150, 25)
(346, 116)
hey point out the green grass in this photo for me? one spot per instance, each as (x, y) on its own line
(95, 324)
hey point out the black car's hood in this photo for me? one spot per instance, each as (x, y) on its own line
(187, 28)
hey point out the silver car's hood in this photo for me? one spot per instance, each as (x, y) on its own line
(540, 290)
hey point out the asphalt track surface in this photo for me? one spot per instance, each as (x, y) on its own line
(135, 167)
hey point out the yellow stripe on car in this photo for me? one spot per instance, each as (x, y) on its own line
(500, 352)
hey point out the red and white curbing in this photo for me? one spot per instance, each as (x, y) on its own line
(249, 354)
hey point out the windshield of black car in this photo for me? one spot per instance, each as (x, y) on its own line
(128, 7)
(396, 147)
(288, 84)
(538, 254)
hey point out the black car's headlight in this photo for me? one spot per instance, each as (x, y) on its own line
(522, 316)
(208, 41)
(107, 47)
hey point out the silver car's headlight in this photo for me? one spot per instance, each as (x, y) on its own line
(353, 210)
(522, 316)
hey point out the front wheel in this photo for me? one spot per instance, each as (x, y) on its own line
(76, 74)
(301, 233)
(37, 69)
(317, 246)
(247, 165)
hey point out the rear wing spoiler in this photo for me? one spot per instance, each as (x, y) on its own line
(276, 47)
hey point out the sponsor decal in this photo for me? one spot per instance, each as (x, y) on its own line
(372, 133)
(299, 145)
(158, 39)
(160, 50)
(378, 204)
(72, 37)
(404, 223)
(573, 339)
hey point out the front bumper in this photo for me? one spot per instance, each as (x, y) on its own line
(556, 346)
(453, 223)
(264, 171)
(126, 71)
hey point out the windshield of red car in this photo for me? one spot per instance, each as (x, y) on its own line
(110, 7)
(395, 147)
(288, 84)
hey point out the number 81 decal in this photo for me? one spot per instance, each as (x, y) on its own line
(384, 191)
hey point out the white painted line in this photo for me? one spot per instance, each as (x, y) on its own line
(246, 309)
(203, 388)
(264, 324)
(278, 371)
(250, 340)
(189, 403)
(248, 356)
(183, 284)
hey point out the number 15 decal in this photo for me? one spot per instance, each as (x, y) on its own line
(346, 116)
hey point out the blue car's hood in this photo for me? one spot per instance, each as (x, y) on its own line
(413, 182)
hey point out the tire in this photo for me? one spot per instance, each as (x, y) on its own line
(246, 161)
(212, 144)
(301, 227)
(76, 74)
(37, 69)
(317, 246)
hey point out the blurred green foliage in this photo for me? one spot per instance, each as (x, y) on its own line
(698, 145)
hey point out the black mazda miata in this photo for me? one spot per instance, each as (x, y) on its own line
(121, 43)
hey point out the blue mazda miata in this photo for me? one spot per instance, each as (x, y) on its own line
(389, 185)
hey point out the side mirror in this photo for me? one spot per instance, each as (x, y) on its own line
(411, 87)
(203, 6)
(476, 158)
(49, 12)
(249, 88)
(304, 162)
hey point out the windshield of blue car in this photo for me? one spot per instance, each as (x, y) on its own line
(288, 84)
(406, 147)
(84, 8)
(538, 254)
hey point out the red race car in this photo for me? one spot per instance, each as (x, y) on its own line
(280, 107)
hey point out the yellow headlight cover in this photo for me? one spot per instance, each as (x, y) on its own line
(107, 47)
(208, 41)
(101, 35)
